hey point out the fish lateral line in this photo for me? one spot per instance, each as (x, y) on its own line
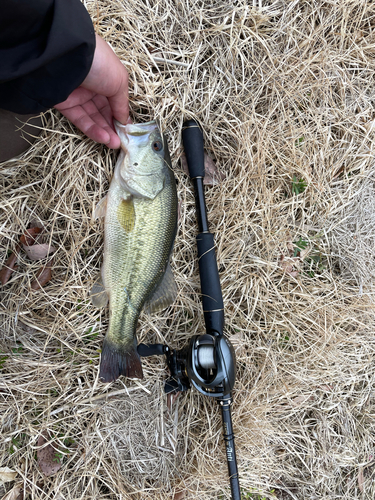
(129, 301)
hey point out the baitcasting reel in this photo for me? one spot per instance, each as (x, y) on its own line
(208, 363)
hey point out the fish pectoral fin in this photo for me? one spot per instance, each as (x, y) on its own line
(164, 295)
(100, 209)
(126, 214)
(98, 294)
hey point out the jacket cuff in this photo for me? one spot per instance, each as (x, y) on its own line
(60, 59)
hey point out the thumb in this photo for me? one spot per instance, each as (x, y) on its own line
(119, 102)
(108, 77)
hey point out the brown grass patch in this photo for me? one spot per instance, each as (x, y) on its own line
(284, 92)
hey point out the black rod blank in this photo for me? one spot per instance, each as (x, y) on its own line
(225, 404)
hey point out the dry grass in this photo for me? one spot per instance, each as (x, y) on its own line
(282, 89)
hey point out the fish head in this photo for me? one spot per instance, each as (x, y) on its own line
(141, 166)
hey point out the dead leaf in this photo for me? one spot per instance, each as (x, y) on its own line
(49, 459)
(31, 244)
(39, 251)
(29, 237)
(212, 175)
(179, 495)
(15, 493)
(30, 330)
(9, 266)
(43, 276)
(7, 475)
(303, 398)
(237, 341)
(361, 479)
(290, 265)
(325, 388)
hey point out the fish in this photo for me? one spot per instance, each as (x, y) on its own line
(140, 224)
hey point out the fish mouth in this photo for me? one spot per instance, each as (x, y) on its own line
(138, 129)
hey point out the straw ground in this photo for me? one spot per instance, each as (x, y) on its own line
(284, 92)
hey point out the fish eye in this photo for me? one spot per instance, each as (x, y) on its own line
(157, 146)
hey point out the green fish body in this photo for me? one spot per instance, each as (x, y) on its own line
(139, 230)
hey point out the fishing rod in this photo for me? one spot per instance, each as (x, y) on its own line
(208, 363)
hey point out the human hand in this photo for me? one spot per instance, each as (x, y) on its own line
(102, 96)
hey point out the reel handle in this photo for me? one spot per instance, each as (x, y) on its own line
(146, 350)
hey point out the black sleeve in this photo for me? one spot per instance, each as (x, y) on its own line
(46, 51)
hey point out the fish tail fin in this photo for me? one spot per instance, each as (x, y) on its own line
(119, 360)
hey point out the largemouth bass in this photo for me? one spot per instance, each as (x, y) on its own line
(140, 224)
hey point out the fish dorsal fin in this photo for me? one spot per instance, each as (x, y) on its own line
(98, 295)
(164, 295)
(100, 208)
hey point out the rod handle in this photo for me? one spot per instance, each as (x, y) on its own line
(212, 299)
(192, 138)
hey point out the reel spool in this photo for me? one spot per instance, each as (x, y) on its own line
(211, 365)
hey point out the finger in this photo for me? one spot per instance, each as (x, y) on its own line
(82, 120)
(97, 117)
(78, 97)
(103, 106)
(119, 102)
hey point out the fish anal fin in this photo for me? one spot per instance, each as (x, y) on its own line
(164, 295)
(119, 360)
(98, 294)
(100, 208)
(126, 214)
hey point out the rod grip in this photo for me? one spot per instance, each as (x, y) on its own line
(192, 138)
(212, 299)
